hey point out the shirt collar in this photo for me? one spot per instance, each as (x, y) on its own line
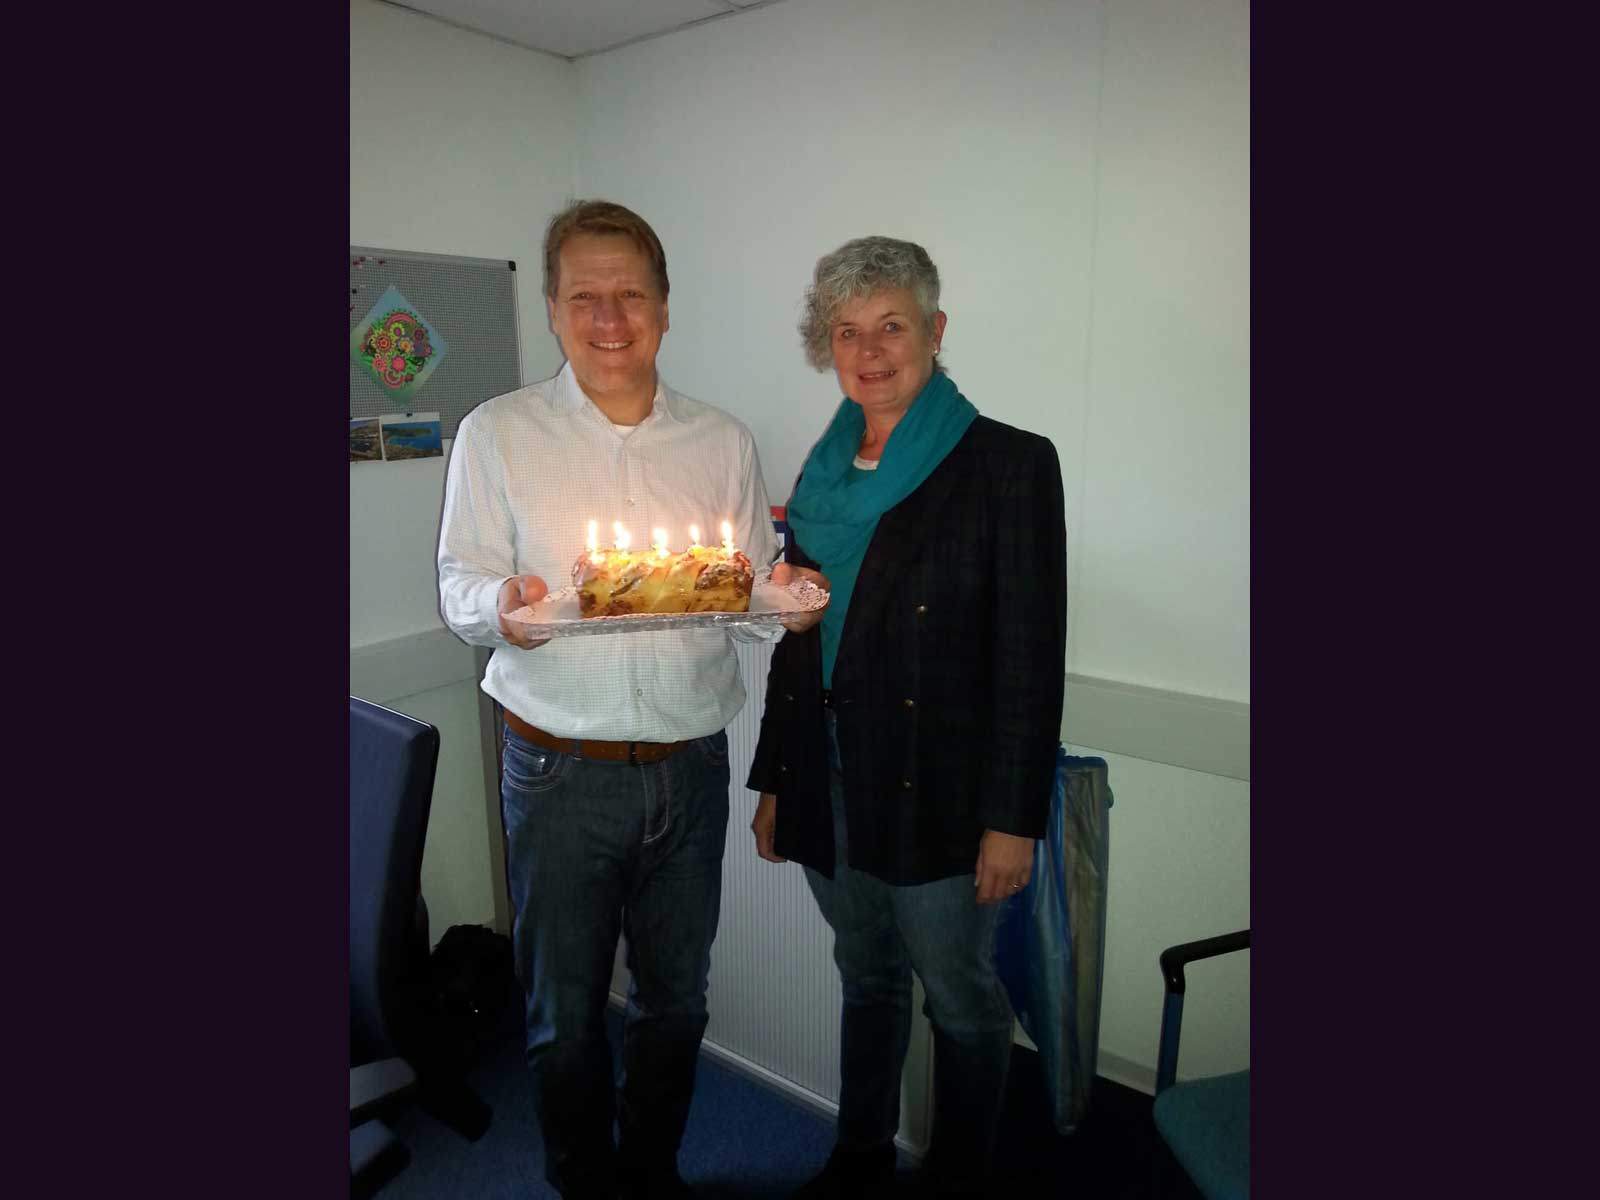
(569, 397)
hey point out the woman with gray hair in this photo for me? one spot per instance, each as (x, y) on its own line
(908, 746)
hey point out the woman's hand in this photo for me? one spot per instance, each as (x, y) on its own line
(783, 574)
(1005, 864)
(764, 824)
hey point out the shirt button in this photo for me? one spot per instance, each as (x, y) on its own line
(638, 691)
(629, 502)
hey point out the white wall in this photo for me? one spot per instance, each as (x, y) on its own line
(1079, 172)
(1163, 558)
(455, 859)
(458, 145)
(1180, 849)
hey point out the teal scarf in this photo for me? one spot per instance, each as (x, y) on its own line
(835, 508)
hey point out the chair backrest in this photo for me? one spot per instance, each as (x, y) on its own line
(1173, 961)
(1204, 1122)
(392, 762)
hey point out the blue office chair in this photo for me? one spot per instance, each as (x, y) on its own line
(1204, 1122)
(392, 762)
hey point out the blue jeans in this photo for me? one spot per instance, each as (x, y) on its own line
(595, 849)
(881, 934)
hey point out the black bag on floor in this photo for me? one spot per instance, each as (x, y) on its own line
(476, 996)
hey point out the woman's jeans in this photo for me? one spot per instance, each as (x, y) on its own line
(596, 849)
(883, 933)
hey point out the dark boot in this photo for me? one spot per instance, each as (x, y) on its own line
(575, 1117)
(663, 1185)
(658, 1181)
(969, 1088)
(853, 1174)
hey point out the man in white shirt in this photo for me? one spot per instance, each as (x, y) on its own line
(615, 769)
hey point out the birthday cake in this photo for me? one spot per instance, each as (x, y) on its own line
(615, 583)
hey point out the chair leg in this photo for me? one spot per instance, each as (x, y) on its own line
(376, 1157)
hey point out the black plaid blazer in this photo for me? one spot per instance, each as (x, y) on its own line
(949, 680)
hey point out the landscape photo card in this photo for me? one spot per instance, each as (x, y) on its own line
(411, 435)
(365, 445)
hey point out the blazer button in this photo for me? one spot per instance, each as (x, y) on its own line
(910, 703)
(921, 608)
(782, 770)
(905, 784)
(789, 696)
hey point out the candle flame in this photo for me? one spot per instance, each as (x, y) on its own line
(694, 536)
(660, 542)
(727, 538)
(620, 536)
(594, 536)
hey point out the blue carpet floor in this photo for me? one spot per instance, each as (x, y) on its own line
(743, 1140)
(748, 1142)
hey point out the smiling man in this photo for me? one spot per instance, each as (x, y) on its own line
(607, 298)
(614, 782)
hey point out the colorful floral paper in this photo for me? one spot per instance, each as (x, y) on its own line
(396, 345)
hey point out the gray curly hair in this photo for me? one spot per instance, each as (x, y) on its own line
(856, 270)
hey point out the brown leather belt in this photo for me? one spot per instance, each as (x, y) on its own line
(634, 753)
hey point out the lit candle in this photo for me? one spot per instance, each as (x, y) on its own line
(594, 536)
(727, 538)
(620, 537)
(694, 537)
(660, 542)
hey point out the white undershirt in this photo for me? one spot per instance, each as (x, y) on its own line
(866, 464)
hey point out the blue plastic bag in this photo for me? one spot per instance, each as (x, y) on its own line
(1050, 937)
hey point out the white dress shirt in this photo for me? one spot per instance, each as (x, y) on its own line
(529, 470)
